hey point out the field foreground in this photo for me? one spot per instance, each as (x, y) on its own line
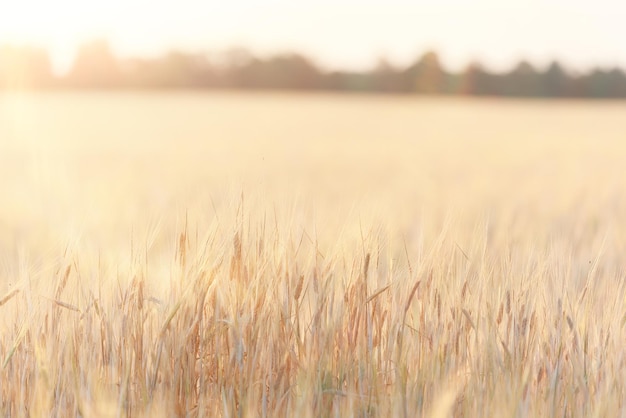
(256, 255)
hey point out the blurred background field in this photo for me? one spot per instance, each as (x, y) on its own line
(95, 171)
(123, 200)
(96, 165)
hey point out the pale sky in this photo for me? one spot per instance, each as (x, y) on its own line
(335, 33)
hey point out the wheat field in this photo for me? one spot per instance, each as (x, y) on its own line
(262, 255)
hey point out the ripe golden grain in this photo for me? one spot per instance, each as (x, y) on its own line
(214, 317)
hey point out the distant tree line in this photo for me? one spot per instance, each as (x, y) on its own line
(97, 67)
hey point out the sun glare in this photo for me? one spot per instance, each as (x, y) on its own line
(42, 22)
(61, 26)
(342, 33)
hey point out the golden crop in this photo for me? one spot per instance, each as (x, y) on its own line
(252, 255)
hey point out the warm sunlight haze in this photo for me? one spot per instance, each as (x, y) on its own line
(312, 208)
(340, 33)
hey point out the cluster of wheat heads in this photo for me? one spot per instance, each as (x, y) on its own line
(255, 321)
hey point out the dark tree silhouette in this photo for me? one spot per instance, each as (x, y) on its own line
(289, 71)
(477, 81)
(426, 75)
(386, 78)
(555, 82)
(522, 81)
(96, 66)
(604, 84)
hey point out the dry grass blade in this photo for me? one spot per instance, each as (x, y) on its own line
(18, 340)
(66, 306)
(8, 296)
(170, 317)
(469, 318)
(411, 295)
(298, 291)
(377, 293)
(62, 304)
